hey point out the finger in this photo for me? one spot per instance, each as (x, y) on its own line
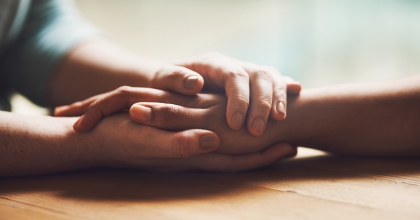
(261, 100)
(75, 109)
(166, 144)
(292, 153)
(293, 87)
(226, 163)
(178, 79)
(252, 161)
(165, 116)
(220, 70)
(278, 110)
(122, 98)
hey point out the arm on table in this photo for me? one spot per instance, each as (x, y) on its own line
(33, 145)
(36, 145)
(365, 119)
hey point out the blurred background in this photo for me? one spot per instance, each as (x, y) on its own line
(317, 42)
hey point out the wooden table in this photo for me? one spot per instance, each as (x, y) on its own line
(312, 186)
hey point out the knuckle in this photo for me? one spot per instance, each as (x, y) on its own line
(123, 90)
(242, 100)
(271, 69)
(272, 72)
(191, 102)
(180, 146)
(177, 71)
(167, 114)
(94, 109)
(237, 73)
(280, 91)
(264, 104)
(262, 74)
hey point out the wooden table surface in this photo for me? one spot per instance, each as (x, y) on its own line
(311, 186)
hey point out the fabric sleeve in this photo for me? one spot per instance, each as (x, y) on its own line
(51, 30)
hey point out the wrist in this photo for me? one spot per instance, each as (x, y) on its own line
(301, 121)
(84, 149)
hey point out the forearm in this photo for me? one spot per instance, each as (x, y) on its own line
(34, 145)
(368, 119)
(96, 67)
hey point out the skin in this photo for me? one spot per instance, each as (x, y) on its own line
(365, 119)
(108, 67)
(362, 119)
(33, 145)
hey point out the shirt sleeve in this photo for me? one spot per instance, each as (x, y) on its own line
(52, 29)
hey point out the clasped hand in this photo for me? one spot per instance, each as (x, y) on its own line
(170, 131)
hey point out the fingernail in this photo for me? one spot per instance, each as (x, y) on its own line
(208, 142)
(141, 113)
(237, 119)
(281, 108)
(189, 82)
(258, 124)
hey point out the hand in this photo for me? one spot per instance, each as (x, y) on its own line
(119, 135)
(96, 107)
(219, 162)
(205, 111)
(129, 144)
(268, 90)
(260, 88)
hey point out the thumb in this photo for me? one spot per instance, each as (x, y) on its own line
(178, 79)
(191, 142)
(293, 86)
(166, 116)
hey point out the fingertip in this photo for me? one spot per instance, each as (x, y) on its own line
(140, 113)
(77, 127)
(278, 111)
(60, 110)
(209, 142)
(87, 121)
(184, 81)
(281, 150)
(193, 84)
(292, 152)
(83, 125)
(193, 142)
(236, 120)
(294, 88)
(256, 127)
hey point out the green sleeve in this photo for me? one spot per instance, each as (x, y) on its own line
(51, 30)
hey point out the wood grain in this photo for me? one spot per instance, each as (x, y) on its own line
(312, 186)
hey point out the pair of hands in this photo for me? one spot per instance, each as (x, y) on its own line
(252, 91)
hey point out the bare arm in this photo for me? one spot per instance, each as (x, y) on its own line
(33, 145)
(368, 119)
(36, 145)
(96, 67)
